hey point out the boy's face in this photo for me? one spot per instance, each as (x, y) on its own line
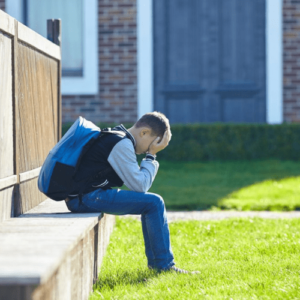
(143, 140)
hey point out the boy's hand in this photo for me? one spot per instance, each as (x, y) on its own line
(156, 146)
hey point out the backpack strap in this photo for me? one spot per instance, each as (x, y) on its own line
(108, 130)
(104, 172)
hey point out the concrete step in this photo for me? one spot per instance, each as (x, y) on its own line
(51, 253)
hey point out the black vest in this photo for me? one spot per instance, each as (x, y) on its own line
(94, 171)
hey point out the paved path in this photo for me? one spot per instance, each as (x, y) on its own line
(219, 215)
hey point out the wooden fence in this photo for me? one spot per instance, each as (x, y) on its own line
(38, 261)
(30, 111)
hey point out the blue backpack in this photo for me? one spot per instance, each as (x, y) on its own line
(56, 175)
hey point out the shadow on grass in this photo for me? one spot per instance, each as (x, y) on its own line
(135, 277)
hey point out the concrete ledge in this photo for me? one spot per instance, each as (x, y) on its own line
(51, 253)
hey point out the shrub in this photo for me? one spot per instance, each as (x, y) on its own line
(219, 141)
(233, 142)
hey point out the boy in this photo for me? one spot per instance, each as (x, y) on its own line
(113, 158)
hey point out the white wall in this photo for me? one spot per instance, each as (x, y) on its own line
(144, 53)
(274, 45)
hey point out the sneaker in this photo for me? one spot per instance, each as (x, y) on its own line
(177, 270)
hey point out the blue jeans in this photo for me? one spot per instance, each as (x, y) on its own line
(154, 218)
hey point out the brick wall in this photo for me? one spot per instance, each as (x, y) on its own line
(116, 100)
(2, 4)
(291, 60)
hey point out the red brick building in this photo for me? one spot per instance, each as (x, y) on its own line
(116, 99)
(115, 96)
(116, 92)
(291, 60)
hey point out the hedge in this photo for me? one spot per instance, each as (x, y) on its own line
(219, 141)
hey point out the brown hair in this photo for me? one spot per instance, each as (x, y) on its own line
(156, 121)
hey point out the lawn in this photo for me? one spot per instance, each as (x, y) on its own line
(238, 259)
(241, 185)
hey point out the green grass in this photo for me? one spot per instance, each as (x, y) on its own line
(238, 259)
(280, 195)
(242, 185)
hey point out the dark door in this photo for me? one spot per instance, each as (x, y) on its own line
(209, 60)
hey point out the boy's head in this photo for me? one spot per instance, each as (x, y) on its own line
(147, 129)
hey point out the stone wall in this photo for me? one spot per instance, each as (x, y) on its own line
(116, 100)
(291, 60)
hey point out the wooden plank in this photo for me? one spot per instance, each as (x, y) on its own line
(29, 196)
(104, 230)
(16, 121)
(37, 41)
(54, 35)
(32, 258)
(8, 181)
(30, 174)
(60, 263)
(88, 262)
(63, 284)
(37, 228)
(37, 106)
(6, 203)
(43, 252)
(39, 94)
(28, 78)
(7, 23)
(6, 114)
(76, 262)
(57, 31)
(96, 253)
(34, 221)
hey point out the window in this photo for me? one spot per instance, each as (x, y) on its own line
(71, 14)
(79, 37)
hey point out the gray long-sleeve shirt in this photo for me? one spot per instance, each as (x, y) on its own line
(123, 160)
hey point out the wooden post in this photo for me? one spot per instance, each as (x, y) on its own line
(16, 125)
(96, 245)
(54, 35)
